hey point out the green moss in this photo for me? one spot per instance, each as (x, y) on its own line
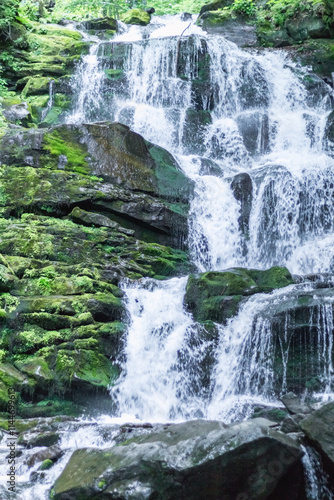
(114, 74)
(136, 16)
(216, 295)
(64, 142)
(36, 85)
(47, 464)
(172, 183)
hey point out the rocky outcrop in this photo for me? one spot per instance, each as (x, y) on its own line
(74, 201)
(136, 16)
(187, 461)
(216, 296)
(110, 169)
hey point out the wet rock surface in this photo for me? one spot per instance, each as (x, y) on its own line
(182, 460)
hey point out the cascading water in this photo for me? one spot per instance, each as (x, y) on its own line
(222, 112)
(317, 483)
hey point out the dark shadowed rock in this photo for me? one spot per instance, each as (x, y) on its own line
(319, 428)
(242, 188)
(291, 423)
(189, 461)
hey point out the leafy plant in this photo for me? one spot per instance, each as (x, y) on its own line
(245, 7)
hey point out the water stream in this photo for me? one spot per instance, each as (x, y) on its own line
(259, 120)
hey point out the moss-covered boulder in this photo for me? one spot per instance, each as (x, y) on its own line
(48, 51)
(216, 5)
(101, 23)
(217, 295)
(102, 165)
(136, 16)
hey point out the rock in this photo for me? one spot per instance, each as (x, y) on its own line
(329, 134)
(186, 16)
(216, 295)
(202, 93)
(274, 38)
(93, 219)
(319, 55)
(46, 439)
(184, 460)
(102, 23)
(235, 28)
(306, 26)
(242, 188)
(46, 465)
(7, 280)
(150, 11)
(136, 16)
(52, 453)
(254, 129)
(146, 180)
(194, 131)
(318, 427)
(218, 4)
(294, 404)
(18, 113)
(291, 423)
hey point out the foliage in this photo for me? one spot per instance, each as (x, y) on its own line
(8, 13)
(246, 7)
(278, 11)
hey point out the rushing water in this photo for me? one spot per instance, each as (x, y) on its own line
(259, 119)
(316, 479)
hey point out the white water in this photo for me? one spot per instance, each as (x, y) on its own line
(316, 479)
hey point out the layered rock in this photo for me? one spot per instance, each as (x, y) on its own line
(103, 166)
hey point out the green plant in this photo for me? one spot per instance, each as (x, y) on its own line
(45, 285)
(245, 7)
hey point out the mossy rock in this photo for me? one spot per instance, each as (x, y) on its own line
(36, 85)
(136, 16)
(101, 24)
(216, 295)
(319, 54)
(217, 5)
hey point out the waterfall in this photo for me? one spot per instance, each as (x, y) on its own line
(316, 479)
(223, 112)
(50, 101)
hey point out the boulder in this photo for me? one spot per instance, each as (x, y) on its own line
(189, 461)
(136, 16)
(305, 26)
(329, 134)
(102, 23)
(216, 295)
(101, 165)
(218, 4)
(18, 113)
(294, 404)
(318, 427)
